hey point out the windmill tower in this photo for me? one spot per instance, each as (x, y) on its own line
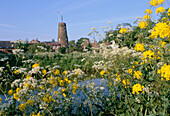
(62, 34)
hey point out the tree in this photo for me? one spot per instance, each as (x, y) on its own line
(80, 43)
(53, 41)
(72, 46)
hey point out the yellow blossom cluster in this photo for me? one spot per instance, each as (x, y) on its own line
(126, 82)
(35, 65)
(22, 107)
(137, 74)
(130, 71)
(117, 77)
(48, 98)
(148, 11)
(16, 72)
(168, 12)
(153, 2)
(123, 30)
(161, 29)
(137, 88)
(56, 72)
(149, 54)
(165, 72)
(160, 10)
(139, 47)
(143, 24)
(102, 72)
(74, 86)
(44, 72)
(146, 17)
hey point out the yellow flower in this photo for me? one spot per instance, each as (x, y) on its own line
(66, 79)
(102, 72)
(154, 2)
(165, 72)
(126, 82)
(64, 73)
(10, 92)
(93, 28)
(16, 72)
(136, 88)
(31, 102)
(142, 24)
(28, 76)
(0, 100)
(35, 65)
(22, 107)
(163, 44)
(148, 11)
(44, 72)
(123, 30)
(118, 78)
(161, 29)
(149, 54)
(64, 94)
(16, 96)
(137, 74)
(164, 19)
(168, 12)
(62, 83)
(41, 87)
(139, 47)
(56, 72)
(160, 10)
(161, 1)
(136, 63)
(146, 17)
(18, 89)
(130, 71)
(69, 81)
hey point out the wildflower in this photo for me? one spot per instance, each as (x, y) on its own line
(16, 96)
(44, 72)
(16, 72)
(137, 74)
(0, 100)
(93, 28)
(139, 47)
(123, 30)
(136, 63)
(130, 71)
(56, 72)
(148, 11)
(126, 82)
(41, 87)
(154, 2)
(35, 65)
(165, 72)
(161, 1)
(149, 54)
(18, 89)
(164, 19)
(168, 12)
(66, 79)
(22, 107)
(62, 83)
(161, 29)
(28, 76)
(102, 72)
(117, 78)
(64, 94)
(64, 73)
(31, 102)
(142, 24)
(10, 92)
(136, 88)
(147, 17)
(69, 81)
(163, 44)
(160, 10)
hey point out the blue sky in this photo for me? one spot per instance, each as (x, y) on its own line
(31, 19)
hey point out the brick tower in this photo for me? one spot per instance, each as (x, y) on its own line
(62, 35)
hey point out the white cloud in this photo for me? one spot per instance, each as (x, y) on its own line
(7, 25)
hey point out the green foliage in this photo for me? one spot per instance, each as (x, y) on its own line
(62, 50)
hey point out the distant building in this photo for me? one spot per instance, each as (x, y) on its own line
(62, 35)
(7, 46)
(34, 41)
(94, 44)
(55, 45)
